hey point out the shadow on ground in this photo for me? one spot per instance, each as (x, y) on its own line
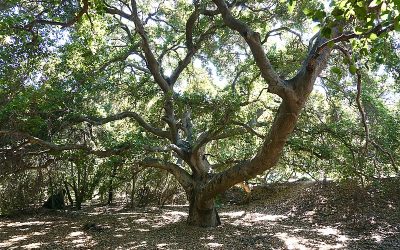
(302, 216)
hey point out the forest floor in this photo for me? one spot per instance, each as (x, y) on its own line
(300, 215)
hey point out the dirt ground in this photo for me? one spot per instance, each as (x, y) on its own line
(303, 215)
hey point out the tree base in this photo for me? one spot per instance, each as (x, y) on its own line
(203, 217)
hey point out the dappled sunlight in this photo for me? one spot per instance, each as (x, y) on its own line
(142, 245)
(129, 213)
(39, 233)
(257, 217)
(28, 223)
(173, 216)
(79, 238)
(166, 229)
(211, 241)
(234, 214)
(283, 225)
(123, 229)
(215, 245)
(13, 240)
(162, 245)
(328, 231)
(247, 219)
(168, 217)
(35, 245)
(297, 242)
(377, 238)
(141, 220)
(292, 242)
(75, 234)
(18, 238)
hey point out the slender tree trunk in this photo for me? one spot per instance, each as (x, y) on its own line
(111, 186)
(110, 195)
(78, 202)
(133, 188)
(71, 201)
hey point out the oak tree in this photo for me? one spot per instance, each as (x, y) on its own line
(162, 83)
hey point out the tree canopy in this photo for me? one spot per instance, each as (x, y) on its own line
(209, 91)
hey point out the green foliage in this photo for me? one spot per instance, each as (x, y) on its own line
(18, 195)
(51, 76)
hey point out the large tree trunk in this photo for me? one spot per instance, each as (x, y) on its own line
(202, 214)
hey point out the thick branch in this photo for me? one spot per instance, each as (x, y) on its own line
(170, 119)
(152, 62)
(312, 67)
(275, 84)
(165, 149)
(266, 158)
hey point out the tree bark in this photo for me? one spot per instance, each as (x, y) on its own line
(202, 214)
(71, 201)
(111, 185)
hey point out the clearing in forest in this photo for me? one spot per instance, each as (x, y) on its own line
(300, 215)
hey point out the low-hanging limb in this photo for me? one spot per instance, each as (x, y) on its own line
(126, 114)
(63, 147)
(391, 157)
(180, 174)
(15, 170)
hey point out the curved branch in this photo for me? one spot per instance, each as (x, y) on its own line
(189, 55)
(378, 30)
(66, 24)
(392, 160)
(192, 47)
(266, 158)
(179, 173)
(114, 11)
(270, 33)
(152, 62)
(275, 84)
(312, 66)
(127, 114)
(63, 147)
